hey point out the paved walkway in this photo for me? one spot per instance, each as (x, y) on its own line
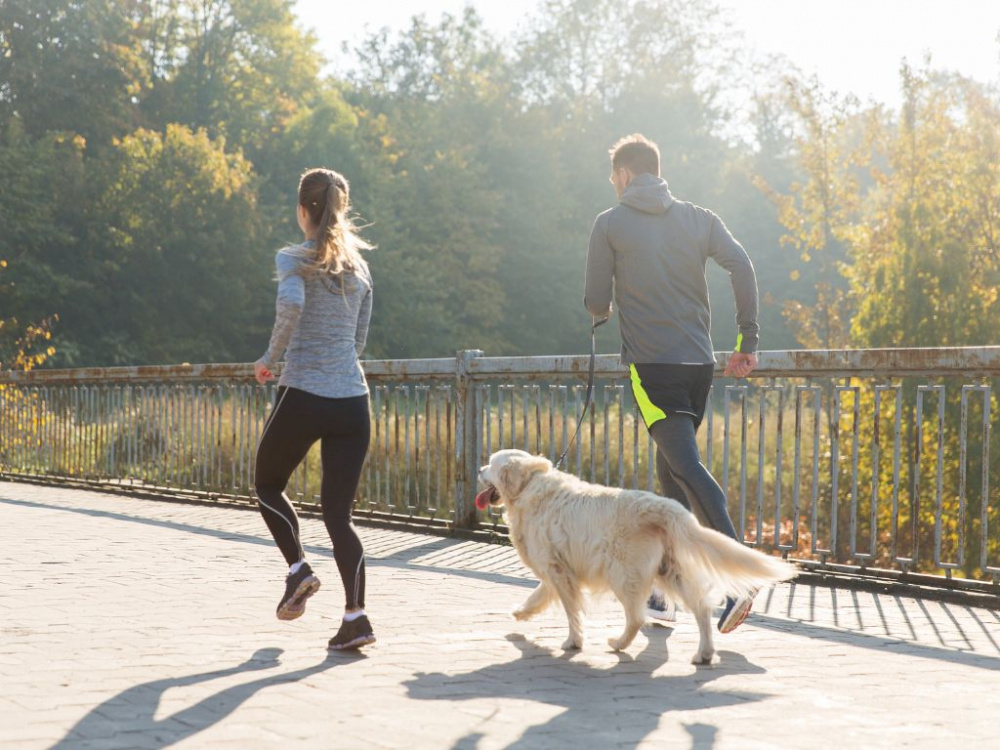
(129, 623)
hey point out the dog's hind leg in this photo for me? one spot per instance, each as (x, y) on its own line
(633, 598)
(569, 595)
(695, 600)
(539, 599)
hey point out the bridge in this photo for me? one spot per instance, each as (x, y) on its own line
(864, 465)
(138, 623)
(140, 582)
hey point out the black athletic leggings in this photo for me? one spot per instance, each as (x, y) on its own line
(684, 477)
(343, 425)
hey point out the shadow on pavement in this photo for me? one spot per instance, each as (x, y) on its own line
(844, 633)
(598, 702)
(132, 712)
(883, 643)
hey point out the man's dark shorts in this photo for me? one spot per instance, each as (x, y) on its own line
(660, 390)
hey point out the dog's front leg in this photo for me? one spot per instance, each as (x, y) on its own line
(569, 595)
(539, 599)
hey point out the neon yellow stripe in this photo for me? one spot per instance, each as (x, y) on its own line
(651, 414)
(739, 340)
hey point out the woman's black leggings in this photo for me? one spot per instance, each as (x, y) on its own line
(343, 425)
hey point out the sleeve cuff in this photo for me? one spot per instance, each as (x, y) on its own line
(746, 344)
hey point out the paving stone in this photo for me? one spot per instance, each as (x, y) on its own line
(128, 623)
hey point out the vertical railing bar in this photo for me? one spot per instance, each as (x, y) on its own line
(552, 422)
(918, 456)
(620, 401)
(744, 428)
(537, 390)
(606, 479)
(985, 497)
(817, 422)
(962, 469)
(406, 447)
(855, 469)
(897, 455)
(939, 484)
(779, 465)
(726, 394)
(526, 391)
(709, 427)
(761, 439)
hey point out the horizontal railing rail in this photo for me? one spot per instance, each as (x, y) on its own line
(942, 361)
(868, 462)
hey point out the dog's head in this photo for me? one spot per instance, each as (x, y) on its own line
(506, 476)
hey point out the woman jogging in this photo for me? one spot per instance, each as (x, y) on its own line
(322, 314)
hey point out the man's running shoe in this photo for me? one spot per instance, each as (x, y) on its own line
(659, 609)
(353, 634)
(735, 612)
(299, 586)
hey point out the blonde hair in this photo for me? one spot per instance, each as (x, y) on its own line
(325, 196)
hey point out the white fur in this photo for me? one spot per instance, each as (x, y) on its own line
(575, 535)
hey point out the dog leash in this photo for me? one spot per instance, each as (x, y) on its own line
(595, 324)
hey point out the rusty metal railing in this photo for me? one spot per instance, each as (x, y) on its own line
(863, 462)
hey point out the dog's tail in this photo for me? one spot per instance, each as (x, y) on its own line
(720, 561)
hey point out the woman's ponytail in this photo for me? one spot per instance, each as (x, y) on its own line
(326, 197)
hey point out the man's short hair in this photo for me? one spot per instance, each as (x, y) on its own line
(637, 154)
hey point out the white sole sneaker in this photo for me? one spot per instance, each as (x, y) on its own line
(662, 615)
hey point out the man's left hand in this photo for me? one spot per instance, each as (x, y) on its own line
(740, 365)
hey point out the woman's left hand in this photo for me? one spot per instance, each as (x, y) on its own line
(262, 373)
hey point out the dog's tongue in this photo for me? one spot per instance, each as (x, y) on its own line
(483, 498)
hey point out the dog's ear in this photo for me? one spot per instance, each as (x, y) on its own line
(514, 474)
(534, 464)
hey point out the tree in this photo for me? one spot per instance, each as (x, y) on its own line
(927, 258)
(237, 68)
(181, 274)
(40, 210)
(821, 211)
(914, 235)
(70, 66)
(426, 114)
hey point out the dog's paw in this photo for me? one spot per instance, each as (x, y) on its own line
(522, 614)
(619, 644)
(572, 644)
(704, 658)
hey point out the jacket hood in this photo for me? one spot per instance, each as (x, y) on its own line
(648, 194)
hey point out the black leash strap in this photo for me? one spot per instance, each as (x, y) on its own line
(590, 385)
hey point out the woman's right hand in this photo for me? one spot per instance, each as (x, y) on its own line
(261, 372)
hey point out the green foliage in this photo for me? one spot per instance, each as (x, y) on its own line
(900, 212)
(70, 65)
(155, 146)
(238, 68)
(928, 245)
(179, 232)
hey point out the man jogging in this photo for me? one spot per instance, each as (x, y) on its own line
(651, 251)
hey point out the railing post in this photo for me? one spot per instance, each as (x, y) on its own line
(466, 439)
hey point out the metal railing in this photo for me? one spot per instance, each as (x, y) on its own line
(870, 462)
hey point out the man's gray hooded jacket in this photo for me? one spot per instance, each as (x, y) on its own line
(651, 250)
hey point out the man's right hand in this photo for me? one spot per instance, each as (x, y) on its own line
(740, 365)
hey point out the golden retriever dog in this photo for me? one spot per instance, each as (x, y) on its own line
(575, 535)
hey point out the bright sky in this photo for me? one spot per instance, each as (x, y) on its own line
(852, 45)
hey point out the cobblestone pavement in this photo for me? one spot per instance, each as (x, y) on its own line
(128, 623)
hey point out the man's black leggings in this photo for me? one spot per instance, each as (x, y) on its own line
(684, 477)
(343, 425)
